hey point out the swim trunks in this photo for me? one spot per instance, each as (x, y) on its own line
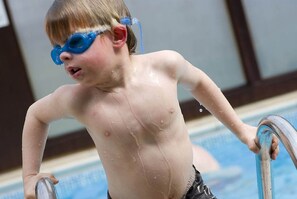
(198, 190)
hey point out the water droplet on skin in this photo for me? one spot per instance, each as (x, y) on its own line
(201, 107)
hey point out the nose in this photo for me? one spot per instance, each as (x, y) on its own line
(65, 56)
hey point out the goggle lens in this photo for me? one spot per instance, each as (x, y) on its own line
(55, 54)
(77, 41)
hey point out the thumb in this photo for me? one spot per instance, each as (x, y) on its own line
(255, 146)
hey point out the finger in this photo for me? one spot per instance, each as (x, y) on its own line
(275, 152)
(274, 139)
(274, 146)
(54, 179)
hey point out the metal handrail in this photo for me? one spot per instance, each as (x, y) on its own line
(287, 134)
(45, 189)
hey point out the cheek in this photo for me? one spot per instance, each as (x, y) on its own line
(101, 51)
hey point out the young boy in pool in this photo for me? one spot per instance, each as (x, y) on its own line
(128, 104)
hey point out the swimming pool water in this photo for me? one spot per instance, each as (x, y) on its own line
(240, 181)
(236, 178)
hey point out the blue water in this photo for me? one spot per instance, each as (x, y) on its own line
(236, 178)
(242, 183)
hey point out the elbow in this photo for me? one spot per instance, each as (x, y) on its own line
(33, 115)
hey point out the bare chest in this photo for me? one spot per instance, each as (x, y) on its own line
(144, 111)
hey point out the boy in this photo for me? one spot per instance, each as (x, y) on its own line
(127, 102)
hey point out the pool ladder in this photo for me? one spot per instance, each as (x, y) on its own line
(45, 189)
(286, 133)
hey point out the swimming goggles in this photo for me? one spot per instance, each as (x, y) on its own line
(78, 42)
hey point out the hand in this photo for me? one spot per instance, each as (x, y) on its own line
(252, 142)
(250, 138)
(274, 149)
(30, 183)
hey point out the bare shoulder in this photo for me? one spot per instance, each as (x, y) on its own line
(58, 104)
(166, 57)
(66, 92)
(170, 62)
(71, 97)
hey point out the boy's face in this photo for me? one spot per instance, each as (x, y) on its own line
(91, 60)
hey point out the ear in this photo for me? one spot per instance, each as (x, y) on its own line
(119, 35)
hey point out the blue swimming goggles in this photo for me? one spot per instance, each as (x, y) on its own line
(79, 42)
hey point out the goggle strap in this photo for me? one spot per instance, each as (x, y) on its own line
(129, 22)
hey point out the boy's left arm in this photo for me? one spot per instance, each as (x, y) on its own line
(211, 97)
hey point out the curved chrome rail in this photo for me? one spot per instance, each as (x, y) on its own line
(286, 133)
(45, 189)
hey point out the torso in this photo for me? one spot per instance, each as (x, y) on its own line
(141, 137)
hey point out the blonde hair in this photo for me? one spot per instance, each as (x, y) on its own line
(66, 16)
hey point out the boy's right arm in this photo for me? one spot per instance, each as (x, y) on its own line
(35, 131)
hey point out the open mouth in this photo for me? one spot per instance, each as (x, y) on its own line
(73, 70)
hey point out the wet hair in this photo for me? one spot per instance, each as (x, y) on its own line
(66, 16)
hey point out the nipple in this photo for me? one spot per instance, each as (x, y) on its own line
(107, 133)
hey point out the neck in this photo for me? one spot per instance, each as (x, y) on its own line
(120, 77)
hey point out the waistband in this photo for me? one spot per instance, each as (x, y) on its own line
(190, 181)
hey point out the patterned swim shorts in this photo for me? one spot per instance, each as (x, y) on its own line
(198, 190)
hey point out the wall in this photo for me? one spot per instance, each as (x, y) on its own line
(200, 30)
